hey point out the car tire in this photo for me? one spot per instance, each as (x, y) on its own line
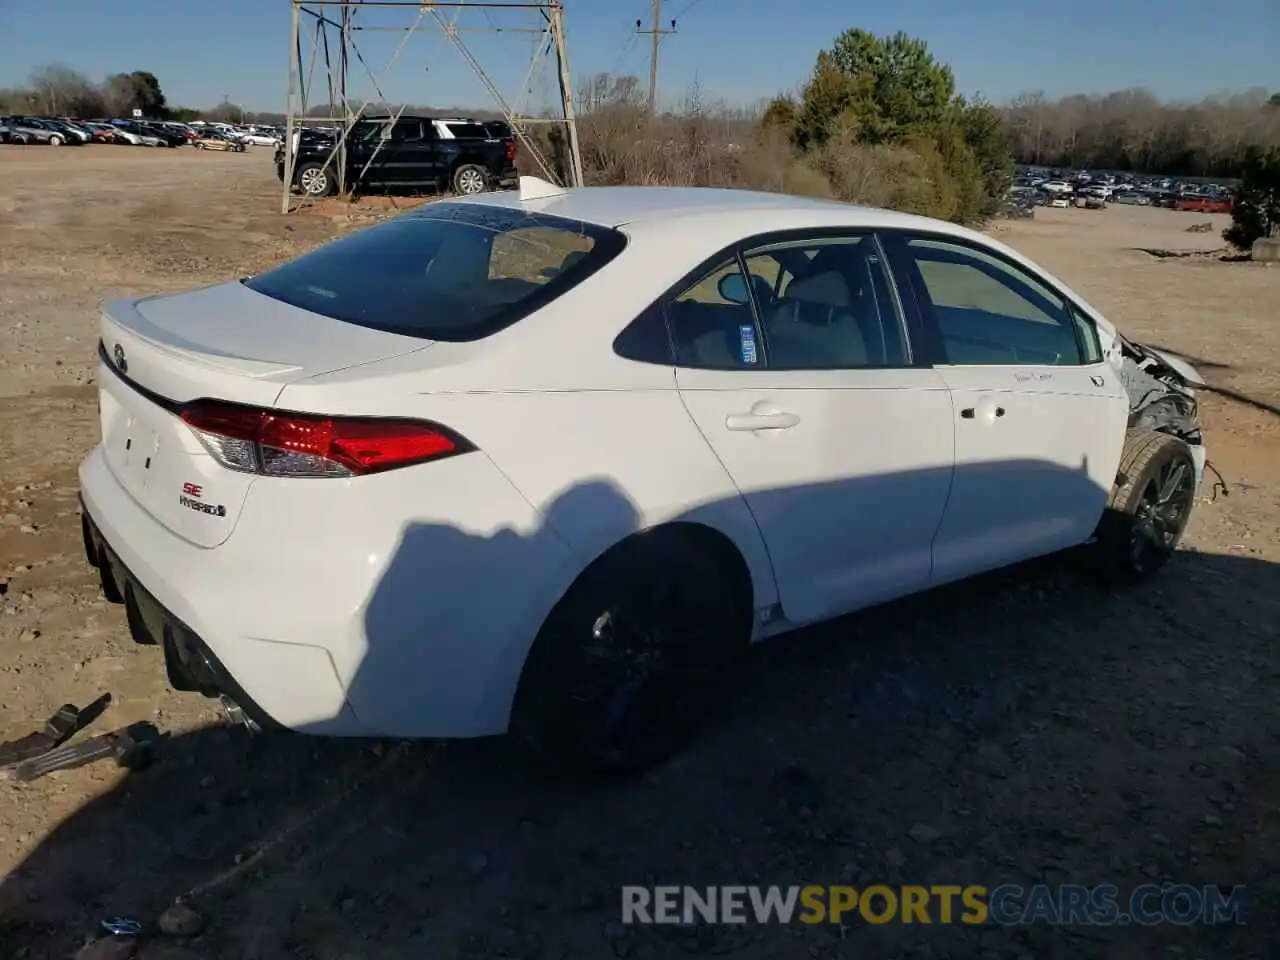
(55, 141)
(315, 180)
(19, 138)
(470, 179)
(1148, 509)
(614, 684)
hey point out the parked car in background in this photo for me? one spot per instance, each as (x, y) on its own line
(408, 151)
(212, 140)
(102, 132)
(170, 136)
(140, 133)
(264, 137)
(1132, 197)
(1204, 204)
(75, 128)
(41, 130)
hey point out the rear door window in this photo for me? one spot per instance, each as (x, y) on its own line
(454, 271)
(406, 131)
(468, 131)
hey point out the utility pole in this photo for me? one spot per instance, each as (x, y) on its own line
(555, 14)
(655, 33)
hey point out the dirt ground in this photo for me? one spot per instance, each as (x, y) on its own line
(1029, 728)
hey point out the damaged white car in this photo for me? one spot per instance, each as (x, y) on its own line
(546, 461)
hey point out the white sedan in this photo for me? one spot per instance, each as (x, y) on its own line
(547, 461)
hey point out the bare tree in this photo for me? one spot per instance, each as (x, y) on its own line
(1132, 129)
(58, 90)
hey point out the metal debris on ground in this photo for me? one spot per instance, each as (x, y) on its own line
(58, 729)
(130, 747)
(121, 927)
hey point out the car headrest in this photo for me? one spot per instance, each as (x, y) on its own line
(827, 289)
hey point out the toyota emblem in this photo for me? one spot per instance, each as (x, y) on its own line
(117, 353)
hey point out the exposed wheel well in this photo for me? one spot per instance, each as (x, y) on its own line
(705, 539)
(465, 161)
(726, 553)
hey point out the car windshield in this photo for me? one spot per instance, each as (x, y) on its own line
(454, 272)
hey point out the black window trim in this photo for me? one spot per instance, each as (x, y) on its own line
(909, 319)
(896, 240)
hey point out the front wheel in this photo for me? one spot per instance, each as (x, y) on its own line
(55, 141)
(470, 179)
(1149, 506)
(625, 668)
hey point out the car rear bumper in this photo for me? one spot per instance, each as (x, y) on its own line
(175, 597)
(343, 608)
(189, 662)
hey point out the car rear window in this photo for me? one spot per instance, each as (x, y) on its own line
(468, 131)
(452, 271)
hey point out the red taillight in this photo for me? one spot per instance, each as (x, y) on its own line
(307, 445)
(511, 150)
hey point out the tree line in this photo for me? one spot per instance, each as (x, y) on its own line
(1135, 130)
(59, 91)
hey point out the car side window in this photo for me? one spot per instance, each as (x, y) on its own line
(989, 311)
(712, 322)
(406, 131)
(827, 304)
(1089, 342)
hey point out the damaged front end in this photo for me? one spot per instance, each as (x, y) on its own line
(1162, 396)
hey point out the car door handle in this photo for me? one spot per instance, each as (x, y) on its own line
(760, 421)
(969, 413)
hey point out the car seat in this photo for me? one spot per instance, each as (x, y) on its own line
(813, 324)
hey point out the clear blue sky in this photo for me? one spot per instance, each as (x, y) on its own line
(739, 50)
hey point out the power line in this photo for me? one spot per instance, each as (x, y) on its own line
(622, 54)
(686, 8)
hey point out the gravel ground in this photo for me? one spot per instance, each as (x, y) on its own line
(1027, 728)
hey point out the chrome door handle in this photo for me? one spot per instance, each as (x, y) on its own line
(760, 421)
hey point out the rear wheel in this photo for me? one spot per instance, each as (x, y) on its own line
(314, 180)
(625, 668)
(1149, 506)
(470, 179)
(55, 140)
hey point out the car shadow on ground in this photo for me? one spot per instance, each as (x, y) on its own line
(1030, 726)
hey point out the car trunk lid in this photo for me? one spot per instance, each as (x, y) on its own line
(226, 343)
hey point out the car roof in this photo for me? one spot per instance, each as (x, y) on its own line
(617, 206)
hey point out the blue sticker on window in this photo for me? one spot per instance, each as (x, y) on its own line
(747, 343)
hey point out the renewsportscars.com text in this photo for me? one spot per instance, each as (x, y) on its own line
(1007, 905)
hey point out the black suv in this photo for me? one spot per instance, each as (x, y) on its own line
(405, 152)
